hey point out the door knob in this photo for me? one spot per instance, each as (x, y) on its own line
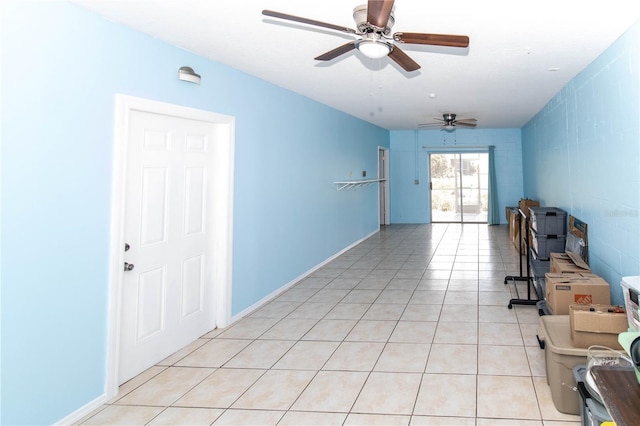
(128, 266)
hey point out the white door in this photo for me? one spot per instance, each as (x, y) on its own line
(168, 299)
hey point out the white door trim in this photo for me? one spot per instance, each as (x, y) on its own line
(222, 221)
(384, 187)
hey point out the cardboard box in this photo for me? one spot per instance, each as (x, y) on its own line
(596, 325)
(513, 219)
(631, 293)
(561, 290)
(507, 212)
(577, 238)
(568, 263)
(525, 203)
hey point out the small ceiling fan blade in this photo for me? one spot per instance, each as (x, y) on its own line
(463, 124)
(336, 52)
(274, 14)
(429, 124)
(378, 12)
(473, 120)
(403, 59)
(432, 39)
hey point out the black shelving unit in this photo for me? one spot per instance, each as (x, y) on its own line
(527, 278)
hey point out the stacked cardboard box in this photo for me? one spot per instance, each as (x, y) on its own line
(596, 325)
(561, 290)
(568, 263)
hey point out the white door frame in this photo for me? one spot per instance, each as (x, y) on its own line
(385, 216)
(222, 220)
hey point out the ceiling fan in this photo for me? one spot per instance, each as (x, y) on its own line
(374, 22)
(449, 122)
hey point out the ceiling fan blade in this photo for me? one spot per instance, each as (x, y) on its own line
(403, 59)
(378, 12)
(336, 52)
(473, 120)
(432, 39)
(274, 14)
(429, 124)
(463, 124)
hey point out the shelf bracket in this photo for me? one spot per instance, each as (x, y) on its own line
(348, 184)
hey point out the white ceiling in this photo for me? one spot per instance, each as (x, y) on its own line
(521, 53)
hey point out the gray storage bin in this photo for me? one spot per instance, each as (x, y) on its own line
(544, 245)
(548, 220)
(592, 413)
(538, 267)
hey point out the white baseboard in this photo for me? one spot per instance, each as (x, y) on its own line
(83, 411)
(291, 283)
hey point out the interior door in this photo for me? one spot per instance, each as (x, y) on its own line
(459, 187)
(167, 293)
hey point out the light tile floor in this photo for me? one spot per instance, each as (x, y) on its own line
(409, 327)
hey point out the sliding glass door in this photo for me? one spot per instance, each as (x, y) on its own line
(459, 187)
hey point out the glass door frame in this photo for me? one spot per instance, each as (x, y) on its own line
(457, 158)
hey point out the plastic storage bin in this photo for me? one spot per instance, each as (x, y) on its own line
(540, 286)
(542, 308)
(631, 292)
(548, 220)
(560, 358)
(544, 245)
(539, 266)
(592, 413)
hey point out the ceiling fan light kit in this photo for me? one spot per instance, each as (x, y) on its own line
(374, 48)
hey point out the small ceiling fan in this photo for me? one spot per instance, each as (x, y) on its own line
(449, 122)
(374, 22)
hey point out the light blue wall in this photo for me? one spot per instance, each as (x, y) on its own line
(581, 153)
(410, 203)
(61, 67)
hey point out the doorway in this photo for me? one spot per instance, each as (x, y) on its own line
(383, 191)
(459, 187)
(172, 210)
